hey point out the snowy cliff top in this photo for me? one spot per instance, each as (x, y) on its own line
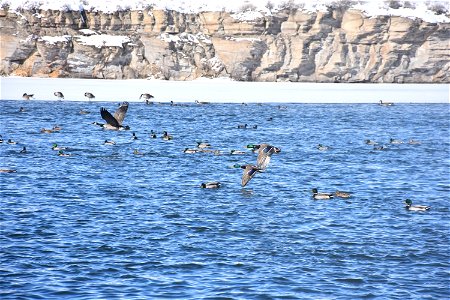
(433, 11)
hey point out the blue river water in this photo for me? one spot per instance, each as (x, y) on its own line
(105, 223)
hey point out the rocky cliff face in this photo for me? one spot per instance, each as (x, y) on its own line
(336, 46)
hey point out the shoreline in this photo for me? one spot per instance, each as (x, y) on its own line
(222, 90)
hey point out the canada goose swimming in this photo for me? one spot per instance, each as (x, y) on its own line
(210, 185)
(321, 196)
(56, 128)
(265, 152)
(249, 173)
(411, 207)
(322, 147)
(11, 142)
(27, 96)
(115, 122)
(152, 134)
(382, 103)
(109, 142)
(84, 112)
(190, 151)
(370, 142)
(134, 137)
(23, 151)
(203, 145)
(342, 194)
(89, 95)
(146, 96)
(242, 126)
(166, 136)
(7, 171)
(1, 139)
(255, 126)
(21, 109)
(57, 148)
(394, 141)
(59, 95)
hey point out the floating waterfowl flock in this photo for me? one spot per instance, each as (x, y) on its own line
(264, 150)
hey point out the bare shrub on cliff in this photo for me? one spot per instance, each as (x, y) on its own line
(269, 5)
(341, 5)
(290, 5)
(438, 8)
(247, 7)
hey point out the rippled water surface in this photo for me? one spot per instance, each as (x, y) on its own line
(105, 223)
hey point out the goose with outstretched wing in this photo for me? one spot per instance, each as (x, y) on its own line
(115, 122)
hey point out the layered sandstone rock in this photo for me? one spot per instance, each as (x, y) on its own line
(333, 46)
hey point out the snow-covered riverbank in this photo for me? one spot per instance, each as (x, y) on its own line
(221, 90)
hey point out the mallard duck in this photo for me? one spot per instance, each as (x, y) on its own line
(323, 147)
(166, 136)
(88, 95)
(201, 102)
(265, 152)
(203, 145)
(379, 148)
(44, 130)
(321, 196)
(370, 142)
(27, 96)
(249, 172)
(59, 95)
(414, 142)
(210, 185)
(115, 122)
(56, 128)
(411, 207)
(136, 152)
(382, 103)
(342, 194)
(109, 142)
(394, 141)
(190, 151)
(61, 153)
(237, 152)
(57, 148)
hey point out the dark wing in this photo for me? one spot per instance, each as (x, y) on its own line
(120, 113)
(248, 174)
(264, 154)
(106, 115)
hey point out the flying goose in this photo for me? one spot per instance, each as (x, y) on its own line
(115, 122)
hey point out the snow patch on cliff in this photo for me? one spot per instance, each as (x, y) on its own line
(246, 11)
